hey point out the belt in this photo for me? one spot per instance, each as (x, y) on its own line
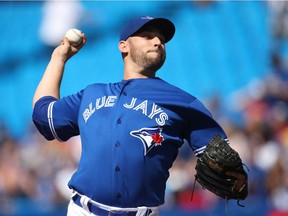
(90, 206)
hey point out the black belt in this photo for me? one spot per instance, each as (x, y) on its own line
(102, 212)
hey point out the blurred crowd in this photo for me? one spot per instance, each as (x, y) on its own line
(34, 171)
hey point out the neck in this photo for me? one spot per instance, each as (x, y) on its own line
(134, 73)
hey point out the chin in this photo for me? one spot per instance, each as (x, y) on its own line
(155, 66)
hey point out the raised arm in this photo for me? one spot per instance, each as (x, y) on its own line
(51, 80)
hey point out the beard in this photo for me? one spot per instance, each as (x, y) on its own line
(149, 60)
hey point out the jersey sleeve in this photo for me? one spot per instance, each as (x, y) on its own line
(57, 118)
(201, 127)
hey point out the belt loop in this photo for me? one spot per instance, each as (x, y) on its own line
(73, 194)
(141, 211)
(84, 200)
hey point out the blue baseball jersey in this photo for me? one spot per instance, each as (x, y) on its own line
(131, 132)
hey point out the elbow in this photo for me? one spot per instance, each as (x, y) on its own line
(39, 117)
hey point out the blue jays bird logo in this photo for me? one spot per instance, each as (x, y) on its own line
(150, 137)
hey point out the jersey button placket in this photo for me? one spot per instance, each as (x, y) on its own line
(119, 121)
(118, 161)
(118, 194)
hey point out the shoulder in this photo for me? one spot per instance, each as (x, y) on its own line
(187, 99)
(95, 86)
(175, 92)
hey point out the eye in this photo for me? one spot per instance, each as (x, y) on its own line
(151, 35)
(147, 35)
(144, 133)
(162, 39)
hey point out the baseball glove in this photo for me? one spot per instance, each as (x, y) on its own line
(220, 170)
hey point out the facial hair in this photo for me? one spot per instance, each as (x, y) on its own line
(144, 59)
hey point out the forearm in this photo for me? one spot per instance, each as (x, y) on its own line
(51, 80)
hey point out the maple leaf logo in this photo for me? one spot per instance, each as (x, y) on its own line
(157, 138)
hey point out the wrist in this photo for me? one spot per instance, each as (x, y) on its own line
(59, 60)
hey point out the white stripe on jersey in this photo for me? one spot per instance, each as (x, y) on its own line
(199, 151)
(202, 149)
(50, 121)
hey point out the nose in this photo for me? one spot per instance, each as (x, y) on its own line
(157, 41)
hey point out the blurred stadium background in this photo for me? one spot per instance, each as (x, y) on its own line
(230, 54)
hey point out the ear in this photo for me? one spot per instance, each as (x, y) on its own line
(122, 45)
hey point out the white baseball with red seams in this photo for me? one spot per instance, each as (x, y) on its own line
(74, 36)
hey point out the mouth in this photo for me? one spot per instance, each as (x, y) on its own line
(155, 51)
(158, 51)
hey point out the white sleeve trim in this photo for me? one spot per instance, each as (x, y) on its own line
(202, 149)
(50, 121)
(199, 150)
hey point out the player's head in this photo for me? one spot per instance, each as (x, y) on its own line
(142, 42)
(165, 26)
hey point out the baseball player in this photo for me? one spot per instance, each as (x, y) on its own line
(130, 130)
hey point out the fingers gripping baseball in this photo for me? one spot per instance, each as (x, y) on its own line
(65, 50)
(75, 37)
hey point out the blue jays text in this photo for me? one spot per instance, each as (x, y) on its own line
(109, 101)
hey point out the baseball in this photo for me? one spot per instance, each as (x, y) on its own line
(74, 36)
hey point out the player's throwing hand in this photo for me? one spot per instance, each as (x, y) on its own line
(65, 50)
